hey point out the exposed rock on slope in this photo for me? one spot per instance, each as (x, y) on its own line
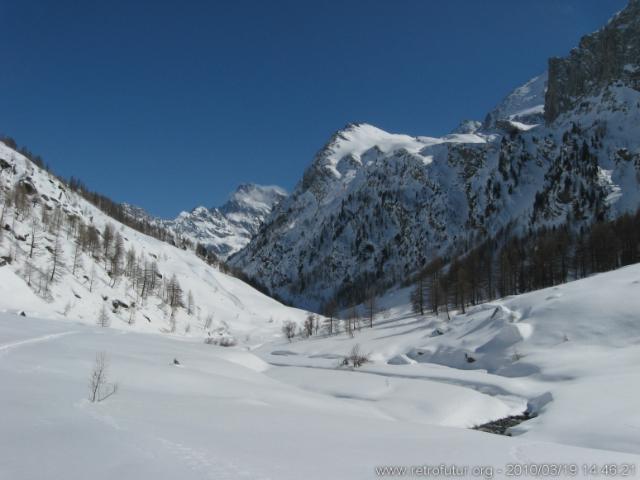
(610, 55)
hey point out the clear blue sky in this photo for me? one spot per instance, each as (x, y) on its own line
(171, 104)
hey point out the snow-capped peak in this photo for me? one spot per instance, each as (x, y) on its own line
(347, 146)
(525, 103)
(223, 230)
(250, 197)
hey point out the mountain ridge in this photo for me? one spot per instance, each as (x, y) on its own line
(374, 207)
(222, 230)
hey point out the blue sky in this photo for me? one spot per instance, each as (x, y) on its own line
(172, 104)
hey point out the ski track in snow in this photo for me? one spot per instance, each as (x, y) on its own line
(29, 341)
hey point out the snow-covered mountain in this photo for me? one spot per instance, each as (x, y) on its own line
(227, 229)
(374, 207)
(61, 257)
(524, 104)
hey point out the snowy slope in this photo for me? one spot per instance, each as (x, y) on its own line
(569, 354)
(220, 414)
(222, 305)
(525, 104)
(375, 207)
(227, 229)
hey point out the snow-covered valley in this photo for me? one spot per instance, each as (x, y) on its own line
(569, 355)
(136, 347)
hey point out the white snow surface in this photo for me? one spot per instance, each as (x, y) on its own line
(569, 354)
(287, 411)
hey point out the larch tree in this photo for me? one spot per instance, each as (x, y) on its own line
(56, 261)
(103, 317)
(370, 305)
(418, 296)
(329, 312)
(190, 303)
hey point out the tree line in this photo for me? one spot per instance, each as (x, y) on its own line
(515, 264)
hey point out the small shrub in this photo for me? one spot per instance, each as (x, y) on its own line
(289, 329)
(226, 341)
(355, 358)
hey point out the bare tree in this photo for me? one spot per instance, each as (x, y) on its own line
(289, 329)
(190, 303)
(103, 317)
(56, 261)
(55, 221)
(116, 258)
(371, 307)
(93, 242)
(77, 257)
(174, 293)
(99, 387)
(6, 204)
(418, 296)
(329, 312)
(92, 276)
(27, 271)
(22, 207)
(355, 358)
(173, 320)
(131, 263)
(208, 322)
(107, 239)
(308, 325)
(35, 229)
(353, 320)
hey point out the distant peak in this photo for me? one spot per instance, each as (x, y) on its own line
(251, 196)
(468, 126)
(250, 193)
(254, 187)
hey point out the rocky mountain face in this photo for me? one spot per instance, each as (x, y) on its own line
(223, 230)
(603, 58)
(374, 207)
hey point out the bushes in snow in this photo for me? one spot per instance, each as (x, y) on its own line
(289, 329)
(225, 341)
(356, 358)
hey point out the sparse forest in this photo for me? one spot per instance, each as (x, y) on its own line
(513, 265)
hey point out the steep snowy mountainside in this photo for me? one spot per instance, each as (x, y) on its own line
(375, 207)
(569, 354)
(365, 198)
(82, 264)
(227, 229)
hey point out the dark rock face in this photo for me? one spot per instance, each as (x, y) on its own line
(610, 54)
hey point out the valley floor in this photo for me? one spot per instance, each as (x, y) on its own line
(285, 410)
